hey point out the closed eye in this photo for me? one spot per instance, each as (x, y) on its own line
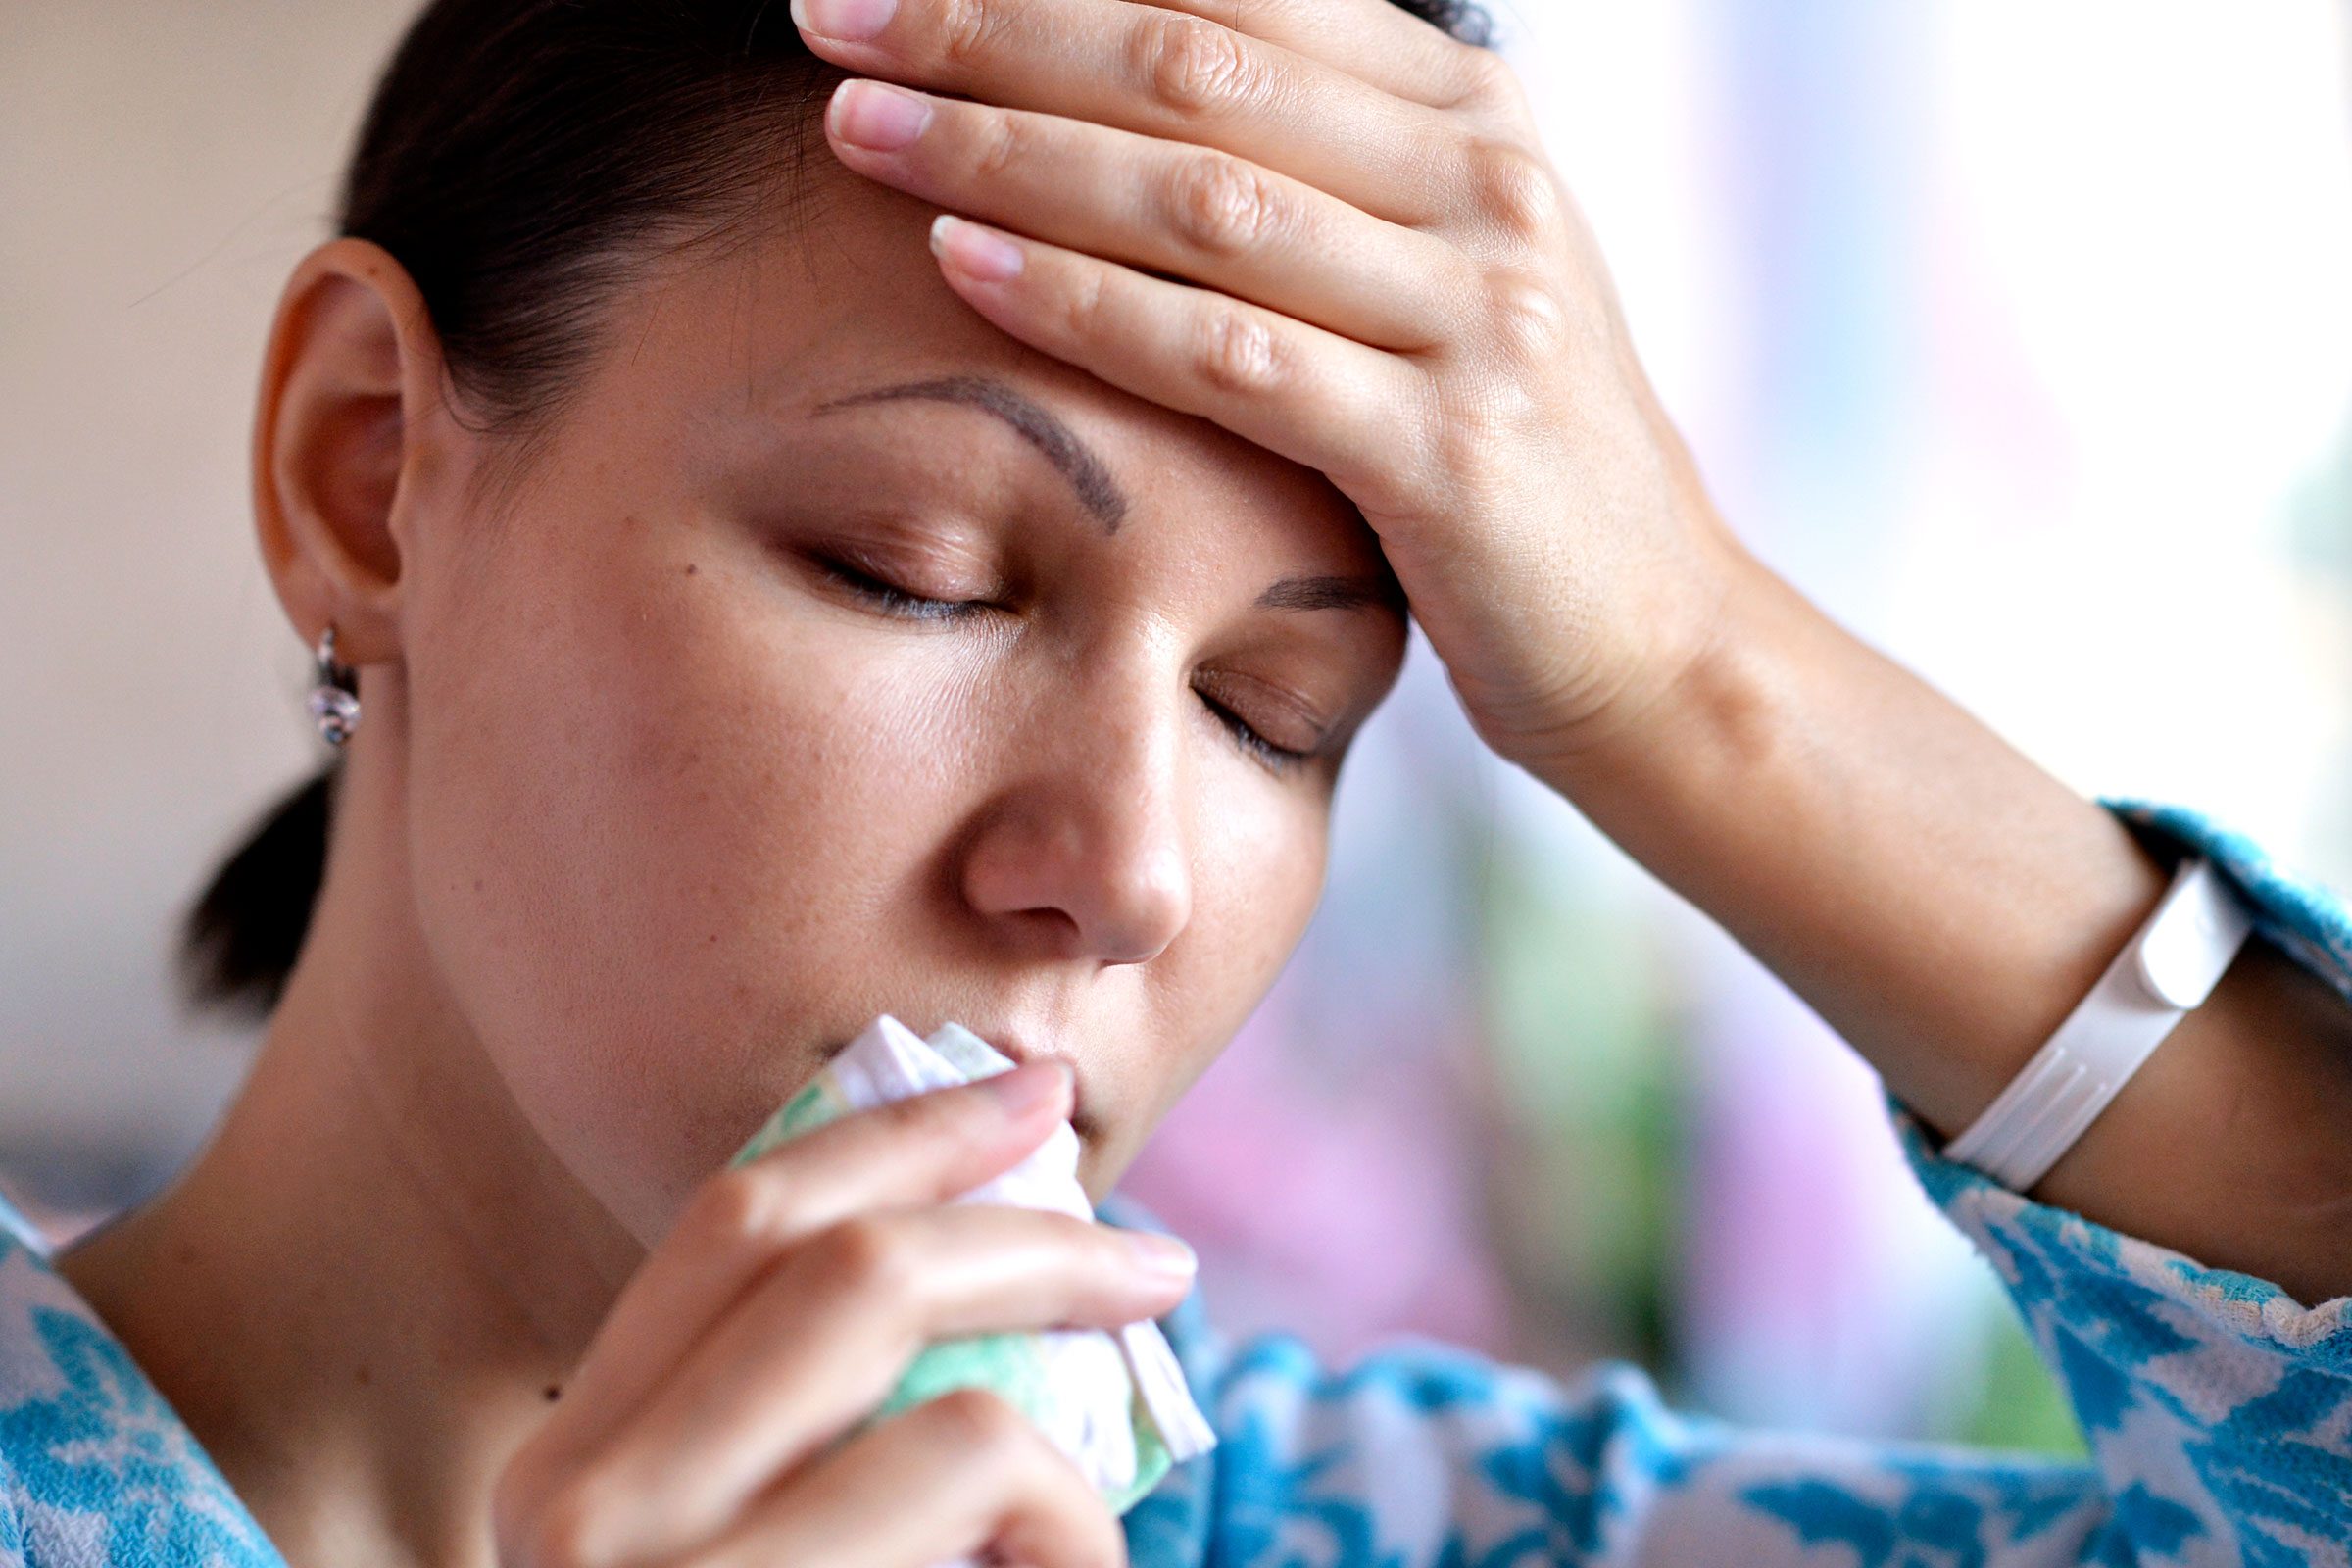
(1280, 759)
(893, 600)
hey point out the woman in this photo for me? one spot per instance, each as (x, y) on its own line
(761, 621)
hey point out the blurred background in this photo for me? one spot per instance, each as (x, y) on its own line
(2019, 335)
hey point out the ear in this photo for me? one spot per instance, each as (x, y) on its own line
(350, 423)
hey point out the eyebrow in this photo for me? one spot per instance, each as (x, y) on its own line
(1079, 463)
(1100, 493)
(1333, 593)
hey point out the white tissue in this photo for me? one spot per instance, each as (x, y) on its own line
(1093, 1382)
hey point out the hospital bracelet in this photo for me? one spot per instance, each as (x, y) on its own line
(2168, 966)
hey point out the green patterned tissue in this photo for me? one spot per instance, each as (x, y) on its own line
(1115, 1402)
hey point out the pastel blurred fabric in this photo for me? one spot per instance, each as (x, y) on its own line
(2021, 337)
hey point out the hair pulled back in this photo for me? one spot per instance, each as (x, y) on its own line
(521, 158)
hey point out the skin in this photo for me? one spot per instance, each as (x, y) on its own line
(647, 811)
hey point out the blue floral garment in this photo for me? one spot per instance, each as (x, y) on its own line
(2218, 1413)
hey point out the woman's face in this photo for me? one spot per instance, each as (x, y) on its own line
(841, 654)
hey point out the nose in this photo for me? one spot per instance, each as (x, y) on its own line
(1086, 852)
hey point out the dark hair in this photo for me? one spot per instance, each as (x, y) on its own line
(521, 159)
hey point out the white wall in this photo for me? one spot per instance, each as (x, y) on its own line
(163, 164)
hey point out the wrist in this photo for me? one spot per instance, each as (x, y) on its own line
(1714, 698)
(1936, 897)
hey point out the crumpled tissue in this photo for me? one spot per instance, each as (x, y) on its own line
(1115, 1401)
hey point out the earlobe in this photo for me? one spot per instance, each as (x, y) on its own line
(349, 383)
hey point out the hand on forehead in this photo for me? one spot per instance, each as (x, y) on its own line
(1157, 49)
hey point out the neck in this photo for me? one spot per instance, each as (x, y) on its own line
(366, 1291)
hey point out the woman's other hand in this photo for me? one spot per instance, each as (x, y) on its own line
(1330, 228)
(1394, 288)
(703, 1424)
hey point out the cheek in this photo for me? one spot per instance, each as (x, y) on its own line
(1260, 875)
(655, 823)
(671, 830)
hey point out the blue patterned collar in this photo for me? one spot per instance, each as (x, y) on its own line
(98, 1471)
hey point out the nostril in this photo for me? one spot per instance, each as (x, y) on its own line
(1088, 862)
(1145, 919)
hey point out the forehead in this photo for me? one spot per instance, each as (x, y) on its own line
(798, 335)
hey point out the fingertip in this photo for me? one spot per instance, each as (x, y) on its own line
(975, 251)
(1022, 1091)
(1164, 1259)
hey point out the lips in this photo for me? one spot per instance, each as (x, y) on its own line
(1021, 1052)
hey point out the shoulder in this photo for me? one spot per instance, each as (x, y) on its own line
(96, 1469)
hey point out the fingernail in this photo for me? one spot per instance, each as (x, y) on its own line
(1163, 1255)
(1028, 1086)
(850, 21)
(981, 252)
(876, 115)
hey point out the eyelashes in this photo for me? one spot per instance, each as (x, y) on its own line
(1281, 758)
(898, 603)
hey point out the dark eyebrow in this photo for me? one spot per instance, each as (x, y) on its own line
(1333, 593)
(1087, 473)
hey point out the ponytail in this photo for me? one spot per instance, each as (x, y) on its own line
(240, 939)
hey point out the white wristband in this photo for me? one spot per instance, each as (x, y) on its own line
(2172, 965)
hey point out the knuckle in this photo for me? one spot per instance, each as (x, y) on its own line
(733, 1206)
(979, 1422)
(1002, 144)
(864, 1254)
(1221, 205)
(1465, 434)
(1409, 475)
(1513, 187)
(1240, 355)
(968, 29)
(1531, 319)
(1192, 66)
(1084, 306)
(1454, 450)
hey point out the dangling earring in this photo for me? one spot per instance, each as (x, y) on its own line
(335, 699)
